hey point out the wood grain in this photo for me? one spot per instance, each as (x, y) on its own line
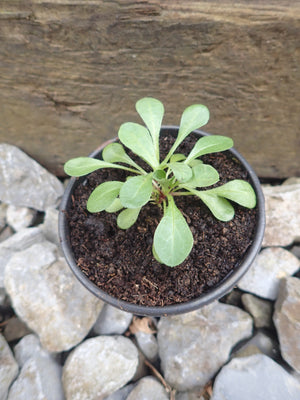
(71, 72)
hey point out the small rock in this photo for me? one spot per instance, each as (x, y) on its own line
(260, 343)
(191, 395)
(20, 217)
(24, 182)
(270, 266)
(50, 226)
(287, 321)
(112, 321)
(3, 209)
(282, 205)
(48, 298)
(148, 345)
(193, 346)
(122, 393)
(19, 241)
(98, 367)
(255, 377)
(148, 388)
(296, 251)
(27, 348)
(261, 310)
(6, 233)
(40, 378)
(15, 329)
(8, 368)
(2, 296)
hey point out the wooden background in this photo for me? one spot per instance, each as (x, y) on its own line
(72, 70)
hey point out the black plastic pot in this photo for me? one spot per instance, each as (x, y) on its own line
(215, 293)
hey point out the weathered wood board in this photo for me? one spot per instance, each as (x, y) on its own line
(72, 70)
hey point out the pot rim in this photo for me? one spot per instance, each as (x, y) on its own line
(215, 293)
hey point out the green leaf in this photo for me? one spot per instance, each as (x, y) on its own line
(193, 117)
(209, 144)
(103, 196)
(151, 111)
(181, 173)
(239, 191)
(219, 207)
(115, 206)
(177, 157)
(173, 239)
(136, 191)
(137, 138)
(127, 217)
(203, 175)
(159, 175)
(195, 162)
(84, 165)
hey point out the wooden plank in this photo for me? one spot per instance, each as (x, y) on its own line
(71, 72)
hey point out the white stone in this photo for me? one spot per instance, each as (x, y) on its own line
(287, 321)
(112, 321)
(269, 268)
(24, 182)
(98, 367)
(3, 209)
(46, 295)
(17, 242)
(40, 378)
(29, 346)
(257, 377)
(147, 343)
(282, 205)
(121, 394)
(8, 368)
(20, 217)
(148, 388)
(193, 346)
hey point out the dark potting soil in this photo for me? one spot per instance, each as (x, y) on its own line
(121, 263)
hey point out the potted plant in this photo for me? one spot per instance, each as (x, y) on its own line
(161, 220)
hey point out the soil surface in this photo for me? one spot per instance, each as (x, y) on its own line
(121, 262)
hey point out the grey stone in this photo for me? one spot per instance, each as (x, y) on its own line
(98, 367)
(50, 226)
(256, 377)
(282, 214)
(121, 394)
(2, 296)
(40, 378)
(15, 329)
(190, 395)
(48, 298)
(6, 233)
(260, 343)
(147, 343)
(296, 251)
(287, 321)
(8, 368)
(3, 208)
(19, 241)
(148, 388)
(193, 346)
(260, 309)
(29, 346)
(270, 266)
(24, 182)
(112, 321)
(20, 217)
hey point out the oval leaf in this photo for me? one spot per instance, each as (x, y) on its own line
(173, 239)
(239, 191)
(137, 138)
(203, 175)
(136, 191)
(103, 196)
(159, 175)
(115, 206)
(151, 111)
(84, 165)
(127, 217)
(209, 144)
(219, 207)
(181, 173)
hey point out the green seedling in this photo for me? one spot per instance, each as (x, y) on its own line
(175, 175)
